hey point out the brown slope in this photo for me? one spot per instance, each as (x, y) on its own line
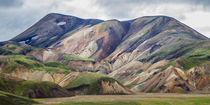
(96, 42)
(147, 35)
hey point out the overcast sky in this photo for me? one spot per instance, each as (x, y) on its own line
(18, 15)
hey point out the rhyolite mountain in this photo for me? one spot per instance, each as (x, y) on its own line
(92, 56)
(52, 28)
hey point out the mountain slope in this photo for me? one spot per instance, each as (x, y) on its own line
(52, 28)
(146, 54)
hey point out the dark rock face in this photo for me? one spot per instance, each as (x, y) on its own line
(39, 93)
(51, 28)
(81, 90)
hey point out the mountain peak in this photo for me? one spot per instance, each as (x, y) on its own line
(54, 27)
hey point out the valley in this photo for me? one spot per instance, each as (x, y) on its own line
(140, 99)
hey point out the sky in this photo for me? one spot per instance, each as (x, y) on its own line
(18, 15)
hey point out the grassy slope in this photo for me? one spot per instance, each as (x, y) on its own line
(92, 80)
(71, 57)
(194, 57)
(15, 61)
(12, 48)
(10, 99)
(185, 55)
(18, 87)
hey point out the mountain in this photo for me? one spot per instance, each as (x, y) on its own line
(52, 28)
(92, 56)
(109, 39)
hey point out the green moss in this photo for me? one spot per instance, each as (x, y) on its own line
(196, 56)
(186, 55)
(171, 63)
(95, 86)
(167, 53)
(58, 65)
(19, 87)
(44, 86)
(11, 99)
(15, 49)
(71, 57)
(17, 61)
(4, 51)
(12, 46)
(85, 79)
(92, 80)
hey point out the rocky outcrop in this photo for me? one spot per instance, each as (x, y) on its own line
(113, 88)
(171, 80)
(106, 88)
(175, 80)
(87, 66)
(199, 77)
(33, 75)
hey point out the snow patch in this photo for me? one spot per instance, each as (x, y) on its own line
(35, 37)
(61, 23)
(22, 42)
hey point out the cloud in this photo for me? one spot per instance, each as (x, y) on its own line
(120, 2)
(125, 8)
(10, 3)
(18, 15)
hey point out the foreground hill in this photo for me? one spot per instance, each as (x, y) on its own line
(146, 54)
(26, 76)
(11, 99)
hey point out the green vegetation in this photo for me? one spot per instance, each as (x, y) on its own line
(184, 55)
(10, 99)
(71, 57)
(55, 66)
(100, 103)
(17, 61)
(93, 80)
(171, 63)
(4, 51)
(167, 53)
(193, 58)
(87, 79)
(158, 101)
(15, 49)
(20, 87)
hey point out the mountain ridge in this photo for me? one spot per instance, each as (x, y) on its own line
(146, 54)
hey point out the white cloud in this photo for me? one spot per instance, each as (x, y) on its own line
(199, 20)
